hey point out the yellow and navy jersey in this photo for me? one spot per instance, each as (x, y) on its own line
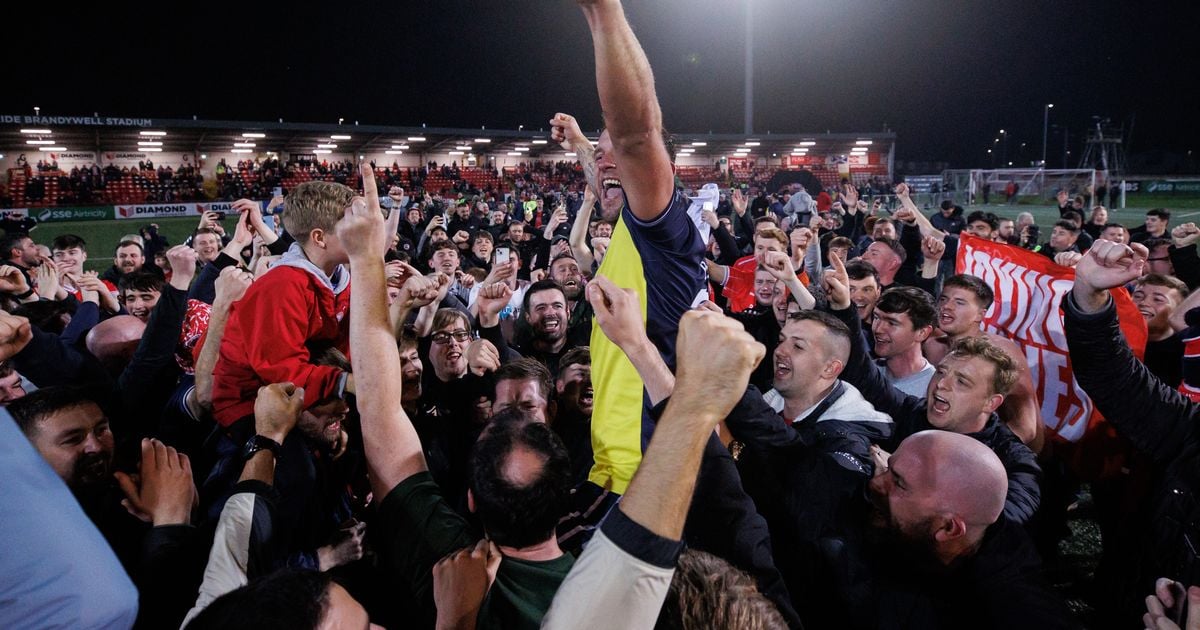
(663, 260)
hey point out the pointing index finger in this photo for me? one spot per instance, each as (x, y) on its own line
(370, 189)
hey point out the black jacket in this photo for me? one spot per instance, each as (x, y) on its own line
(909, 414)
(1161, 423)
(999, 586)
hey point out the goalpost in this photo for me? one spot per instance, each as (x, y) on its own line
(1035, 186)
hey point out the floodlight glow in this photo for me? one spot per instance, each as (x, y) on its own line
(254, 135)
(242, 151)
(514, 153)
(808, 143)
(321, 151)
(326, 146)
(456, 153)
(150, 143)
(483, 140)
(39, 142)
(394, 152)
(866, 142)
(149, 150)
(753, 144)
(699, 144)
(416, 139)
(36, 131)
(52, 148)
(157, 134)
(339, 137)
(244, 145)
(540, 141)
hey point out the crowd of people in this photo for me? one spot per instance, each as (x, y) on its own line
(621, 407)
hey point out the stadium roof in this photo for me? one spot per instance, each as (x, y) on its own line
(95, 133)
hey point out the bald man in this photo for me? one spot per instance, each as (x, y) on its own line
(938, 550)
(114, 340)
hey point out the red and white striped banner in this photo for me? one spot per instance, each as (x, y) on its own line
(1029, 292)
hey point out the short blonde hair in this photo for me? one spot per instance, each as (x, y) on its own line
(774, 233)
(1006, 369)
(315, 205)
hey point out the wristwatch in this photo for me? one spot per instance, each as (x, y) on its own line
(260, 443)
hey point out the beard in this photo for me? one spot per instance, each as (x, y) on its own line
(91, 469)
(550, 336)
(576, 398)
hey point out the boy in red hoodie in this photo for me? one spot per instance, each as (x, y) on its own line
(303, 301)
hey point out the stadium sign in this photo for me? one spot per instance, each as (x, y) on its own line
(157, 210)
(91, 121)
(216, 206)
(1171, 186)
(92, 213)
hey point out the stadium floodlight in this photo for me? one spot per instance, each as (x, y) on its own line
(522, 149)
(1045, 129)
(244, 145)
(40, 141)
(52, 148)
(456, 153)
(203, 156)
(416, 139)
(483, 140)
(808, 143)
(156, 134)
(150, 143)
(699, 144)
(399, 146)
(394, 152)
(867, 142)
(254, 135)
(326, 146)
(150, 149)
(242, 151)
(569, 154)
(322, 151)
(339, 137)
(40, 132)
(540, 141)
(463, 147)
(753, 144)
(514, 153)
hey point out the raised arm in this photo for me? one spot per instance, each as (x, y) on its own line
(623, 576)
(579, 231)
(620, 318)
(631, 112)
(1154, 416)
(231, 285)
(392, 447)
(780, 267)
(910, 213)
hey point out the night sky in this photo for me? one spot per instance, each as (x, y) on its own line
(945, 76)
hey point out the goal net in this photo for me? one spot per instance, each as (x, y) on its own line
(1034, 186)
